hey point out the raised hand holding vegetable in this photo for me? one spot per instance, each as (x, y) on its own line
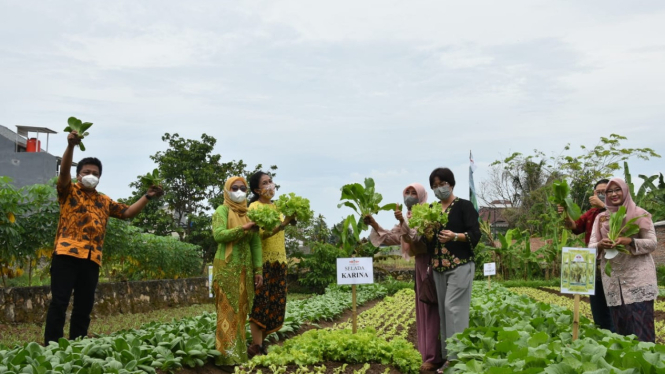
(79, 129)
(152, 179)
(561, 196)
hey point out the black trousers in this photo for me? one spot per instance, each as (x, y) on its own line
(599, 309)
(70, 274)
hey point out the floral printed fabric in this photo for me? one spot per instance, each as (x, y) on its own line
(462, 219)
(82, 225)
(270, 299)
(233, 283)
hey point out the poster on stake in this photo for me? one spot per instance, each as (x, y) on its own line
(578, 271)
(355, 271)
(578, 277)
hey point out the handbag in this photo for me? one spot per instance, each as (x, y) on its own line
(427, 291)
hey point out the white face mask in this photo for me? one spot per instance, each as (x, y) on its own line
(237, 196)
(90, 181)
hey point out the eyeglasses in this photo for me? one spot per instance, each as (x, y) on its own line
(613, 192)
(442, 184)
(241, 188)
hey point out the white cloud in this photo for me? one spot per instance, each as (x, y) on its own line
(333, 92)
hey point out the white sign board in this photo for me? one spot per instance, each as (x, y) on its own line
(578, 271)
(490, 269)
(210, 281)
(356, 270)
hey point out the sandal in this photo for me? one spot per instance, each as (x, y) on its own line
(254, 350)
(428, 366)
(443, 368)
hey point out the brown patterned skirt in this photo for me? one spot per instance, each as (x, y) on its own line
(270, 299)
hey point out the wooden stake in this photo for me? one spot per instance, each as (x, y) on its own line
(353, 302)
(489, 285)
(576, 317)
(353, 299)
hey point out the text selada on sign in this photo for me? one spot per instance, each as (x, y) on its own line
(356, 270)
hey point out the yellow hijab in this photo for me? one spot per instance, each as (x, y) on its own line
(237, 212)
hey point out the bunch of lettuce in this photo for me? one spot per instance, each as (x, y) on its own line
(617, 230)
(264, 216)
(80, 127)
(427, 219)
(294, 206)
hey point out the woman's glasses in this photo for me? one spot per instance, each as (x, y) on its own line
(241, 188)
(612, 192)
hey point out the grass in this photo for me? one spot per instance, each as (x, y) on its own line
(660, 274)
(394, 262)
(531, 283)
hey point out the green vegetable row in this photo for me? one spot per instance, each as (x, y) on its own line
(166, 347)
(510, 333)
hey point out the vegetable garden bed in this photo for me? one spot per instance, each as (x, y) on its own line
(551, 295)
(508, 333)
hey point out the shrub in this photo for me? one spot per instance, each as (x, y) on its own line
(130, 254)
(321, 266)
(660, 273)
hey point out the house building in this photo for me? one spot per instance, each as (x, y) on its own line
(22, 157)
(494, 214)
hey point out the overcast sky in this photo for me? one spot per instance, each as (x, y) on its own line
(335, 91)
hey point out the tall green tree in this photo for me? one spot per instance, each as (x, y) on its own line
(39, 224)
(523, 180)
(12, 207)
(193, 181)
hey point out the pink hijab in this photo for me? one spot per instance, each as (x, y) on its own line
(422, 198)
(632, 210)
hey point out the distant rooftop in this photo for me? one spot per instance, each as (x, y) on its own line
(23, 130)
(21, 135)
(11, 135)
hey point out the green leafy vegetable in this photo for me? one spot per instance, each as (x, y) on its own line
(428, 219)
(152, 179)
(617, 230)
(264, 216)
(75, 124)
(363, 200)
(294, 206)
(562, 197)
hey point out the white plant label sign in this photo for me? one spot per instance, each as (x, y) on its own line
(356, 270)
(489, 268)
